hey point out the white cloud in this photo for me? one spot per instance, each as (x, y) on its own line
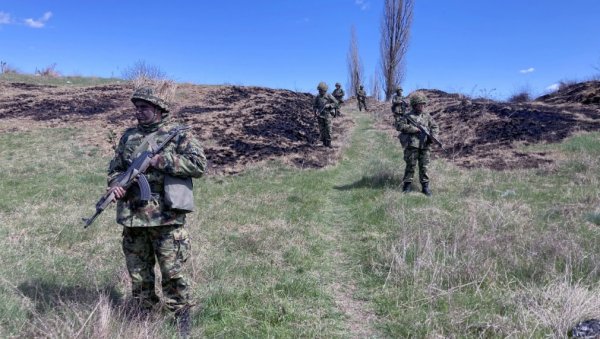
(5, 18)
(525, 71)
(39, 23)
(364, 5)
(553, 87)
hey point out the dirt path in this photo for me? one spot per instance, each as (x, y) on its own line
(360, 316)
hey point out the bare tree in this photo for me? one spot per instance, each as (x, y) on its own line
(395, 33)
(355, 67)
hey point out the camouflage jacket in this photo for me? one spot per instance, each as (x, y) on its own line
(338, 94)
(410, 136)
(361, 94)
(399, 105)
(181, 157)
(321, 101)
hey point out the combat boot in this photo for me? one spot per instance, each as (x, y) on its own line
(425, 189)
(184, 323)
(406, 187)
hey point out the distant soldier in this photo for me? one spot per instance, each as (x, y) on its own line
(324, 107)
(361, 97)
(338, 94)
(153, 231)
(399, 104)
(416, 144)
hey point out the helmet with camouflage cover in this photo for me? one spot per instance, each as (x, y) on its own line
(418, 98)
(398, 89)
(147, 94)
(337, 84)
(322, 86)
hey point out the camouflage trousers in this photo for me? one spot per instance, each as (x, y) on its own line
(362, 104)
(412, 156)
(324, 129)
(170, 246)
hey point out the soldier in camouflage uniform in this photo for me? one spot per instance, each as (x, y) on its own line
(361, 97)
(324, 106)
(399, 105)
(153, 232)
(338, 94)
(416, 144)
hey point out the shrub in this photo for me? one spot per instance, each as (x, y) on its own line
(7, 69)
(520, 97)
(48, 71)
(141, 70)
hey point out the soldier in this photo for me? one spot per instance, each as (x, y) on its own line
(415, 143)
(154, 232)
(399, 105)
(361, 96)
(324, 106)
(338, 94)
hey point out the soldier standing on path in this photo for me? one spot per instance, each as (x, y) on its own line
(324, 106)
(338, 94)
(415, 143)
(154, 231)
(361, 96)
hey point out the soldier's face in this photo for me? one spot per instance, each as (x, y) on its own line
(419, 107)
(146, 113)
(322, 92)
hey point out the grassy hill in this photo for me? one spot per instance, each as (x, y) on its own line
(338, 251)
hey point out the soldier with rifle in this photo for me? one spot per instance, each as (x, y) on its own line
(338, 94)
(399, 104)
(153, 211)
(418, 130)
(361, 97)
(324, 107)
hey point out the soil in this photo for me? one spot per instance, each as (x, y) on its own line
(240, 125)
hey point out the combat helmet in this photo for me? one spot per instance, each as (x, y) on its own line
(322, 86)
(337, 84)
(418, 98)
(148, 94)
(398, 89)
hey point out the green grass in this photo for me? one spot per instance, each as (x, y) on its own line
(335, 252)
(57, 81)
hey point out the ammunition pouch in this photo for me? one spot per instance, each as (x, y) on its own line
(179, 193)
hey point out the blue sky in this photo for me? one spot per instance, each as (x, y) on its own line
(490, 47)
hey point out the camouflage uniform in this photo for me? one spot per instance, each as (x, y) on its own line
(361, 97)
(153, 232)
(338, 94)
(399, 105)
(324, 106)
(416, 145)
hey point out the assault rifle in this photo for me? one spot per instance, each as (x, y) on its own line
(135, 173)
(424, 130)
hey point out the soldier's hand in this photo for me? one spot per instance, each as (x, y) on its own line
(155, 160)
(118, 191)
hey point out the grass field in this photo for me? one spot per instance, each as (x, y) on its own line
(57, 81)
(335, 252)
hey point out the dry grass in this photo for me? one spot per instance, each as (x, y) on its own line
(558, 306)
